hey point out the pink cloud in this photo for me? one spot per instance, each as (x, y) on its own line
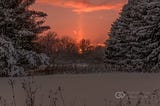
(80, 6)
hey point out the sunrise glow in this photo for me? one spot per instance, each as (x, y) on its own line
(81, 19)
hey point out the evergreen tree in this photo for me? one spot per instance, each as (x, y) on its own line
(19, 27)
(134, 38)
(150, 34)
(20, 23)
(118, 52)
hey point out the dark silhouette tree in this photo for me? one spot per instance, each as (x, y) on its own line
(85, 46)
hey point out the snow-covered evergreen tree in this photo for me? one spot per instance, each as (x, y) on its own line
(20, 23)
(132, 44)
(150, 34)
(118, 50)
(19, 27)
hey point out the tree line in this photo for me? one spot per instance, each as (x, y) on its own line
(64, 49)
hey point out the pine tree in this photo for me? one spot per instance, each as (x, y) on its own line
(134, 41)
(20, 23)
(118, 52)
(19, 27)
(152, 36)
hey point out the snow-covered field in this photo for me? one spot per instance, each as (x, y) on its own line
(89, 89)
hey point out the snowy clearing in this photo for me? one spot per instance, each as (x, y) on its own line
(89, 89)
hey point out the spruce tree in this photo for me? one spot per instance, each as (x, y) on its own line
(20, 23)
(119, 48)
(151, 33)
(136, 41)
(19, 27)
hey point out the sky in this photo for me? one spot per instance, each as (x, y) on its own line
(81, 19)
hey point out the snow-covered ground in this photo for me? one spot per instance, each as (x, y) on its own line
(89, 89)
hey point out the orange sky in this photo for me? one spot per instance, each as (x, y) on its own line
(90, 19)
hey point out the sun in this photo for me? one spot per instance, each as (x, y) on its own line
(80, 51)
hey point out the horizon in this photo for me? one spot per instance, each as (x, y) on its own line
(80, 19)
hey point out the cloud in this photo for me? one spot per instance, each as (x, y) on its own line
(81, 6)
